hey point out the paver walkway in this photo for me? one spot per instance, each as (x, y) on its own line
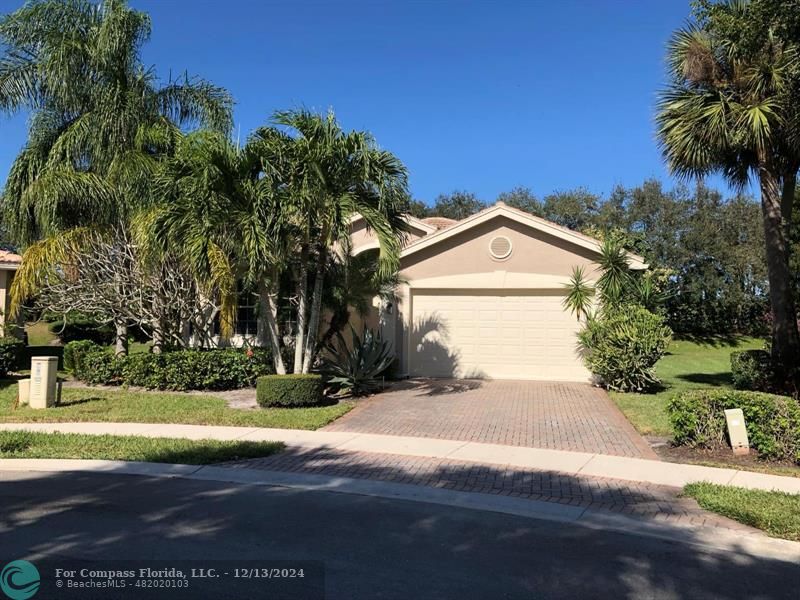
(599, 493)
(555, 415)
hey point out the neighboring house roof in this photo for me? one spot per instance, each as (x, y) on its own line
(420, 224)
(501, 209)
(439, 222)
(9, 260)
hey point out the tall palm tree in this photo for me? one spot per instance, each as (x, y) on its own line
(332, 176)
(100, 123)
(220, 206)
(733, 106)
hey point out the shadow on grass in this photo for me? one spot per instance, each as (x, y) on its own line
(30, 444)
(65, 403)
(368, 543)
(711, 379)
(730, 340)
(207, 452)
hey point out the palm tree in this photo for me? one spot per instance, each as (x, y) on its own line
(100, 120)
(333, 176)
(350, 287)
(282, 203)
(732, 107)
(221, 208)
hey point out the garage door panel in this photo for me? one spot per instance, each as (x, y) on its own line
(507, 335)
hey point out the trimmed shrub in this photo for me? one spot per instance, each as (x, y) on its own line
(75, 351)
(752, 370)
(81, 327)
(183, 370)
(11, 349)
(622, 346)
(101, 367)
(289, 390)
(773, 422)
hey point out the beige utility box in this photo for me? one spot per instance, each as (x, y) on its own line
(44, 382)
(737, 431)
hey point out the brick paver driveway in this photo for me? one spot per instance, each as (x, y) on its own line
(641, 500)
(537, 414)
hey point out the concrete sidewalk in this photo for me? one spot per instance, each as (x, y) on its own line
(573, 463)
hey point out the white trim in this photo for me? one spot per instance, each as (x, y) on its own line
(502, 210)
(9, 266)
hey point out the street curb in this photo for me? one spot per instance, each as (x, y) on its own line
(716, 538)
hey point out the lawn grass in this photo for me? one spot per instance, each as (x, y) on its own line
(29, 444)
(776, 513)
(88, 404)
(39, 333)
(689, 364)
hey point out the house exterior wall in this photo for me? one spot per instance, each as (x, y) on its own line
(539, 263)
(468, 252)
(6, 278)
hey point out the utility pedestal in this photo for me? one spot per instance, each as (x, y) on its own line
(43, 387)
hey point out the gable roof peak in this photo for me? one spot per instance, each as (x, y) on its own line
(500, 208)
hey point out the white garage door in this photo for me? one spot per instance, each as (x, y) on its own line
(525, 335)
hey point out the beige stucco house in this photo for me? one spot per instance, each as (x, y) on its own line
(9, 263)
(483, 297)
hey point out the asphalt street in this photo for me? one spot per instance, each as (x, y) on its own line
(368, 547)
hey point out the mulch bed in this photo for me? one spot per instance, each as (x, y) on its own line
(724, 457)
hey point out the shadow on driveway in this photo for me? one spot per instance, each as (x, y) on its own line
(370, 547)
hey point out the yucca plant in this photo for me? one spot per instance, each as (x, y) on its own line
(579, 294)
(354, 369)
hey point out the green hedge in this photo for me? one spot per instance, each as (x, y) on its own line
(622, 347)
(11, 349)
(181, 370)
(75, 351)
(100, 367)
(289, 390)
(752, 370)
(79, 327)
(773, 422)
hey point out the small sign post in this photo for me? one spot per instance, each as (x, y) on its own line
(737, 432)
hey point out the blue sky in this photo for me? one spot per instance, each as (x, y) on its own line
(481, 96)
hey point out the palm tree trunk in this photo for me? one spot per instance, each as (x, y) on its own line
(121, 338)
(269, 310)
(158, 325)
(316, 310)
(787, 203)
(785, 338)
(302, 303)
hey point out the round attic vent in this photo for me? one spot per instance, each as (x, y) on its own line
(500, 247)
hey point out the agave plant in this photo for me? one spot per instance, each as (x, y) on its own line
(355, 369)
